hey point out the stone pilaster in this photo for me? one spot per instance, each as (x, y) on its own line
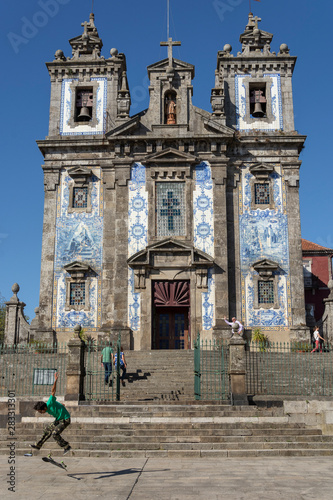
(291, 176)
(219, 174)
(51, 182)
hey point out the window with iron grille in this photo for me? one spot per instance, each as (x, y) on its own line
(265, 292)
(170, 209)
(261, 193)
(80, 197)
(77, 294)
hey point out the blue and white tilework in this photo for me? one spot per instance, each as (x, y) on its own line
(79, 237)
(137, 235)
(264, 235)
(66, 109)
(242, 102)
(203, 225)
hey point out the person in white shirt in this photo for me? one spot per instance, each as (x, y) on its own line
(240, 330)
(316, 337)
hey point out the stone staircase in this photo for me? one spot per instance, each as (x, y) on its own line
(175, 430)
(158, 417)
(154, 376)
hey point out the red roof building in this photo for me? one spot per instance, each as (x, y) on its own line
(317, 267)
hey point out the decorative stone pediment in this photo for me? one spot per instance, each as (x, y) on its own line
(171, 156)
(177, 65)
(261, 171)
(265, 268)
(78, 269)
(170, 254)
(80, 175)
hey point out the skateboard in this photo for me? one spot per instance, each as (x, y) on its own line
(49, 459)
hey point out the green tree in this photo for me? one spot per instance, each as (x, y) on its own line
(2, 318)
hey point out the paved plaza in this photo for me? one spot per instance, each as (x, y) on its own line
(171, 479)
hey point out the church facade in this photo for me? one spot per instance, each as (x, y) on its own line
(161, 224)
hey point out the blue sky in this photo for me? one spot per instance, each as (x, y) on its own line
(33, 30)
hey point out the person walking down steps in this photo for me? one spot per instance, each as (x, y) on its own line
(62, 420)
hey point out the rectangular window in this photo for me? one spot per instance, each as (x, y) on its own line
(265, 292)
(261, 193)
(170, 209)
(80, 197)
(307, 268)
(77, 294)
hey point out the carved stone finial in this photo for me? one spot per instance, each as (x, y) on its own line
(59, 56)
(15, 288)
(234, 329)
(77, 329)
(284, 49)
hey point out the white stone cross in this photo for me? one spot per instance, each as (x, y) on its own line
(170, 44)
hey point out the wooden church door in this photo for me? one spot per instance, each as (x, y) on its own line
(171, 315)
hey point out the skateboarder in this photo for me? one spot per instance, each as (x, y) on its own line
(62, 420)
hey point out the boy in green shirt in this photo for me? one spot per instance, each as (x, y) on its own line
(62, 420)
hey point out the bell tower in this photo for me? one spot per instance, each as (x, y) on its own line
(89, 94)
(257, 82)
(263, 185)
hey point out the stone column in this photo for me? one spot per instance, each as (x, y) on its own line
(75, 368)
(16, 327)
(237, 368)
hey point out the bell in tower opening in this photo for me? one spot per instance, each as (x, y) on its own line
(170, 108)
(84, 105)
(258, 103)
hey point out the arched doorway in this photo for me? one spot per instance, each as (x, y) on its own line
(171, 312)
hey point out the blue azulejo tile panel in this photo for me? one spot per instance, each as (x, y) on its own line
(243, 120)
(203, 211)
(96, 196)
(264, 235)
(203, 237)
(99, 109)
(89, 317)
(79, 237)
(208, 303)
(137, 235)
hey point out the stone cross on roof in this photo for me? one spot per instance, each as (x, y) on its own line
(256, 21)
(85, 29)
(170, 44)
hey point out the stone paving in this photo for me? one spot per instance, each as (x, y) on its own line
(165, 479)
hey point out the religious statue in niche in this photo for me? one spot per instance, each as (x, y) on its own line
(170, 109)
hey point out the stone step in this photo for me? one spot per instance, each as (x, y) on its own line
(248, 453)
(189, 446)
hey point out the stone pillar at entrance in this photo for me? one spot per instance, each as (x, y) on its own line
(237, 368)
